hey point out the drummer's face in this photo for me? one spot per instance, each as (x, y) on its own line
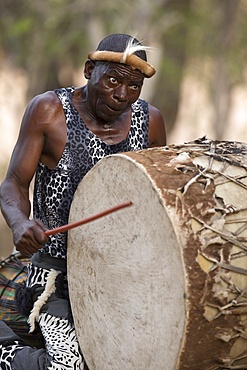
(112, 88)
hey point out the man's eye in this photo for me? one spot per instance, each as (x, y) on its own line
(134, 87)
(113, 80)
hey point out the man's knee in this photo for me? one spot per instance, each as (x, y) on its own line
(7, 336)
(30, 358)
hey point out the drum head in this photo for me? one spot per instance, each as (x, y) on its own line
(126, 276)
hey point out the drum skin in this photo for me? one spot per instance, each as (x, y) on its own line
(163, 284)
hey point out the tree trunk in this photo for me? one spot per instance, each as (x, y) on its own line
(221, 86)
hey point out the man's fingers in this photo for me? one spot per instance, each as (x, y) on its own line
(41, 225)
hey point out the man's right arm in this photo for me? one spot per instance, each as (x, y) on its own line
(28, 235)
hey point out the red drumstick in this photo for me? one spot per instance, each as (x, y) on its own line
(64, 228)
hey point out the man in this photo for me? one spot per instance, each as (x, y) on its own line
(63, 135)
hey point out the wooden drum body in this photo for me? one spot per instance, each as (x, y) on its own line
(162, 285)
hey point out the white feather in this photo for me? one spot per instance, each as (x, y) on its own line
(133, 47)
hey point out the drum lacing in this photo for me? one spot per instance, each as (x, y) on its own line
(50, 288)
(13, 263)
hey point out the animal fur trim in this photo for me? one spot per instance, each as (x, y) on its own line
(42, 299)
(132, 60)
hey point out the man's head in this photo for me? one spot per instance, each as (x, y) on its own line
(123, 48)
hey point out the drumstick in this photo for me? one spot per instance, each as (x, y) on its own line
(64, 228)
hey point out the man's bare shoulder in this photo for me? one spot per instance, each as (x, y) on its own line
(154, 112)
(157, 130)
(43, 112)
(45, 103)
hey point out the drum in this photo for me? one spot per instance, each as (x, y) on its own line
(162, 285)
(13, 271)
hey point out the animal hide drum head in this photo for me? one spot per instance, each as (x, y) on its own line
(125, 270)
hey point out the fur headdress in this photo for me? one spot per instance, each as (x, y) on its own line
(121, 48)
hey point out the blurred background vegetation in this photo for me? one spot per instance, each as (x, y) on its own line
(199, 51)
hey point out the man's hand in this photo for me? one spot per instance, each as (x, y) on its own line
(29, 236)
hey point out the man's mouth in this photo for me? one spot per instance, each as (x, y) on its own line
(115, 109)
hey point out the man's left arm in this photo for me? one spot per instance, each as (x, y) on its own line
(157, 130)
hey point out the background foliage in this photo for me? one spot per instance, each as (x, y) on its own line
(49, 39)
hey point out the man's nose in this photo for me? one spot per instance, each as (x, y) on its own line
(120, 93)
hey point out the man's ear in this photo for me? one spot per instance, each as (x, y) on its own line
(89, 66)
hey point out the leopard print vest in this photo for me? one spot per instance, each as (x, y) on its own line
(54, 188)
